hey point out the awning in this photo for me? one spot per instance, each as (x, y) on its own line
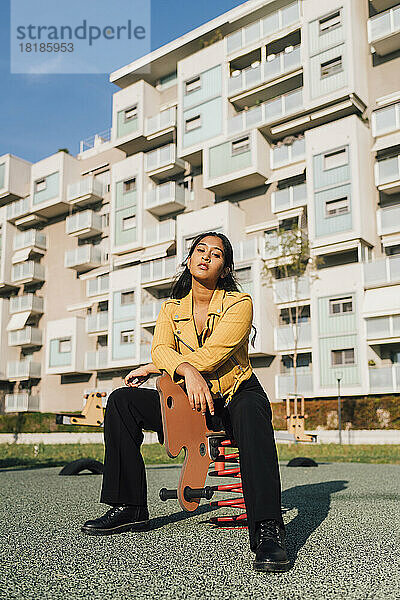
(18, 321)
(157, 251)
(338, 247)
(287, 172)
(21, 255)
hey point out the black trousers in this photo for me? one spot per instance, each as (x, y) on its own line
(247, 418)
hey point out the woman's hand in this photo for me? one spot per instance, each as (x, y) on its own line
(137, 376)
(197, 389)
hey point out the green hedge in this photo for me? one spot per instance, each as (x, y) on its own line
(36, 422)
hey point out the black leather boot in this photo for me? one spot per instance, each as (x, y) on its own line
(118, 519)
(271, 552)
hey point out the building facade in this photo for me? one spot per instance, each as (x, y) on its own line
(275, 113)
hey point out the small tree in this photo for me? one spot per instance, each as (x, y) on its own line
(291, 257)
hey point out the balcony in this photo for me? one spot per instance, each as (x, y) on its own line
(158, 271)
(383, 329)
(386, 120)
(267, 112)
(14, 178)
(383, 380)
(382, 272)
(161, 125)
(286, 290)
(83, 258)
(97, 286)
(284, 384)
(159, 233)
(388, 220)
(266, 71)
(23, 369)
(235, 165)
(149, 311)
(88, 190)
(26, 337)
(145, 353)
(96, 360)
(165, 198)
(97, 323)
(84, 224)
(22, 402)
(289, 197)
(27, 272)
(387, 175)
(245, 249)
(163, 162)
(273, 24)
(18, 209)
(26, 303)
(384, 31)
(284, 337)
(29, 244)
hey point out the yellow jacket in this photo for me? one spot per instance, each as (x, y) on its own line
(224, 354)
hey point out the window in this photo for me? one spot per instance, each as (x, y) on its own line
(129, 185)
(339, 306)
(330, 22)
(127, 337)
(192, 85)
(40, 185)
(331, 67)
(239, 146)
(127, 298)
(105, 220)
(336, 207)
(64, 345)
(340, 358)
(130, 113)
(192, 123)
(128, 223)
(336, 158)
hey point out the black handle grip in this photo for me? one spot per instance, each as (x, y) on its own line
(168, 494)
(193, 493)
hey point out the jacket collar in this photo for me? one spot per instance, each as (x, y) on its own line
(184, 310)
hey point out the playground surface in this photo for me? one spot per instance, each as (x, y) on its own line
(343, 537)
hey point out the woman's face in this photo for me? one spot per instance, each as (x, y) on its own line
(209, 252)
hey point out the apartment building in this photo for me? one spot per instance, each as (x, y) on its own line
(274, 113)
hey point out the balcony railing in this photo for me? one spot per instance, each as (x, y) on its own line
(30, 238)
(149, 311)
(97, 322)
(86, 188)
(23, 369)
(290, 197)
(162, 157)
(265, 113)
(26, 303)
(284, 337)
(28, 336)
(388, 220)
(285, 384)
(88, 255)
(245, 249)
(384, 379)
(386, 119)
(281, 63)
(285, 289)
(84, 222)
(387, 171)
(262, 28)
(22, 402)
(382, 272)
(97, 286)
(383, 327)
(163, 120)
(96, 360)
(145, 353)
(168, 193)
(18, 208)
(27, 272)
(161, 268)
(384, 25)
(162, 232)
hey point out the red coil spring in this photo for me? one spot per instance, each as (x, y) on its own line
(220, 470)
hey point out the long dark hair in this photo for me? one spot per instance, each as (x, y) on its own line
(182, 282)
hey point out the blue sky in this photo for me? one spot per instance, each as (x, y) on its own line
(41, 113)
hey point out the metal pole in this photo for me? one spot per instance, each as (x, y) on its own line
(339, 413)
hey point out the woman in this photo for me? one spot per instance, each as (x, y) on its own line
(201, 339)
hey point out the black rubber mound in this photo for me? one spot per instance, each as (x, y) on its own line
(77, 466)
(301, 461)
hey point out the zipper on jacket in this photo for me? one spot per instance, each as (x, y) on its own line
(193, 350)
